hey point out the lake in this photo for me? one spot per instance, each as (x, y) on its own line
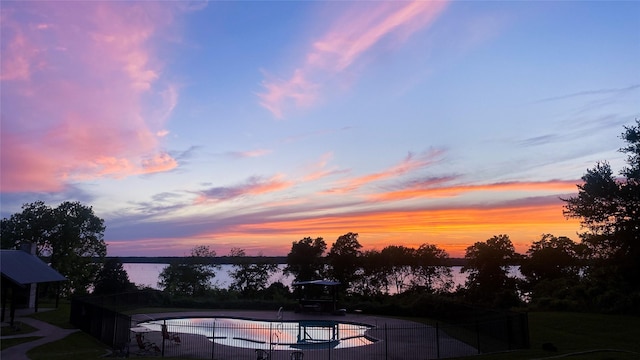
(148, 274)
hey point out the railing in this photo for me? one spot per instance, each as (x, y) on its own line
(316, 339)
(220, 339)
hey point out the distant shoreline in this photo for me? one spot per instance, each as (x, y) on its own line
(227, 260)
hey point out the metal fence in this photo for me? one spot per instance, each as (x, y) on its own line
(315, 339)
(321, 339)
(109, 326)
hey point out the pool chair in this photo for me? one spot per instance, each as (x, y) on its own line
(146, 347)
(262, 355)
(296, 355)
(171, 337)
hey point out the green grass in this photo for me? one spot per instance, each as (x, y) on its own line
(587, 336)
(19, 328)
(77, 346)
(571, 333)
(58, 317)
(7, 343)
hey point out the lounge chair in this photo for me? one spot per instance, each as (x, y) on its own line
(262, 355)
(174, 338)
(146, 347)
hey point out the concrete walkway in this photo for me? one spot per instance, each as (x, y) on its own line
(46, 331)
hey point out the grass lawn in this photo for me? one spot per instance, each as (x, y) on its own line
(587, 336)
(7, 343)
(58, 317)
(575, 335)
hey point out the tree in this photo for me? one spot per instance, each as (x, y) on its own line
(396, 266)
(552, 258)
(112, 279)
(70, 235)
(190, 278)
(372, 278)
(488, 265)
(609, 210)
(343, 259)
(304, 261)
(430, 270)
(249, 277)
(551, 270)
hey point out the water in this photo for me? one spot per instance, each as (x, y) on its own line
(270, 335)
(148, 275)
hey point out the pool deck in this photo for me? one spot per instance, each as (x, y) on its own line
(397, 344)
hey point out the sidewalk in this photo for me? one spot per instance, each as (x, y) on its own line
(46, 331)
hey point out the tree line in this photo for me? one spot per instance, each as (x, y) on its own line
(600, 272)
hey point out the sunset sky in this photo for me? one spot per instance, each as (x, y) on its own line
(256, 124)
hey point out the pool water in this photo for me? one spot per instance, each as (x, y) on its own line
(271, 335)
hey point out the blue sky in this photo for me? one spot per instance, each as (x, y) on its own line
(255, 124)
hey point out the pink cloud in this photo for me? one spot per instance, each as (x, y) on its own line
(410, 163)
(283, 94)
(253, 186)
(83, 95)
(353, 35)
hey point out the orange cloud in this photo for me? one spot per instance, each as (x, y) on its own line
(425, 190)
(451, 229)
(348, 39)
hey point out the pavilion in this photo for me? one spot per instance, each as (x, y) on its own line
(22, 272)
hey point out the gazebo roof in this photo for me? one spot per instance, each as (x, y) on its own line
(23, 268)
(316, 282)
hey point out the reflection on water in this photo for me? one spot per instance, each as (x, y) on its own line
(148, 275)
(287, 335)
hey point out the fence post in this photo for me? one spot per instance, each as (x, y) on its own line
(386, 342)
(164, 324)
(438, 340)
(478, 336)
(508, 324)
(213, 340)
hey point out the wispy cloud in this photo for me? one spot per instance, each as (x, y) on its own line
(610, 91)
(410, 163)
(271, 230)
(253, 186)
(249, 153)
(433, 189)
(357, 32)
(83, 81)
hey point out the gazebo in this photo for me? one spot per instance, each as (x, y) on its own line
(325, 303)
(21, 273)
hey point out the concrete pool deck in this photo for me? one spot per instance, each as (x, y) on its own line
(403, 340)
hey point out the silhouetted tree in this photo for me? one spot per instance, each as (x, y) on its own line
(488, 267)
(249, 277)
(429, 269)
(305, 261)
(609, 209)
(552, 273)
(112, 279)
(344, 259)
(192, 278)
(70, 235)
(396, 265)
(552, 258)
(372, 278)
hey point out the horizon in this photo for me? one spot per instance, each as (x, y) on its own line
(257, 124)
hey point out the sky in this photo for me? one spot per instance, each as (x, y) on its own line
(256, 124)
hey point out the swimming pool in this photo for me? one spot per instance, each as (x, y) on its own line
(271, 335)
